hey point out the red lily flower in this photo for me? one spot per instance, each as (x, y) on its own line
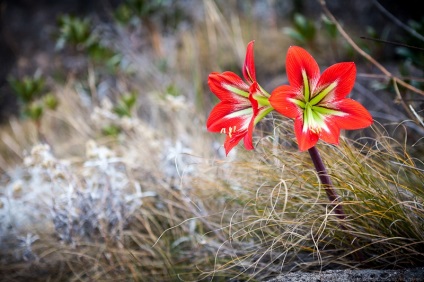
(243, 104)
(317, 102)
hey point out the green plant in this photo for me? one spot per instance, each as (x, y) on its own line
(303, 31)
(79, 35)
(34, 111)
(30, 91)
(74, 31)
(50, 101)
(28, 88)
(156, 16)
(330, 28)
(409, 46)
(113, 119)
(125, 105)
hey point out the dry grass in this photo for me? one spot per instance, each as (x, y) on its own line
(160, 202)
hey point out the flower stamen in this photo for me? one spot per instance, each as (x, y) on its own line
(231, 130)
(306, 89)
(321, 95)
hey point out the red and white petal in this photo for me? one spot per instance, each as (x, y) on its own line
(344, 74)
(248, 138)
(253, 91)
(354, 116)
(330, 132)
(226, 115)
(235, 134)
(249, 71)
(228, 86)
(231, 142)
(297, 60)
(282, 101)
(306, 139)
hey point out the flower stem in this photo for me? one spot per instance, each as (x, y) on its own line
(326, 182)
(332, 195)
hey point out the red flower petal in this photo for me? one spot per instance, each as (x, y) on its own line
(350, 114)
(248, 138)
(330, 134)
(254, 89)
(280, 101)
(305, 140)
(231, 142)
(344, 74)
(356, 116)
(220, 117)
(299, 59)
(235, 114)
(219, 81)
(249, 71)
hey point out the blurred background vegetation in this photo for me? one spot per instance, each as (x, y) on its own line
(108, 173)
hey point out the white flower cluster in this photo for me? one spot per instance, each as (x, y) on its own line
(27, 198)
(92, 201)
(177, 159)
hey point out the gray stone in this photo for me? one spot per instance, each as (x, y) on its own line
(401, 275)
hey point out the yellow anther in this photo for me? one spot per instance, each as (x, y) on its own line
(231, 130)
(316, 130)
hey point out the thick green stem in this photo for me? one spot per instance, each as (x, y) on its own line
(326, 182)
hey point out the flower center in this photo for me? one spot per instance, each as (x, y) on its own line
(312, 119)
(321, 95)
(314, 113)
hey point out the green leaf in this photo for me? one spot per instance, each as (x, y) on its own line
(34, 111)
(330, 28)
(51, 101)
(28, 88)
(111, 130)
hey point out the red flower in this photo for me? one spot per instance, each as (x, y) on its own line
(317, 102)
(243, 104)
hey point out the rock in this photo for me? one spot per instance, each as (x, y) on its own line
(359, 275)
